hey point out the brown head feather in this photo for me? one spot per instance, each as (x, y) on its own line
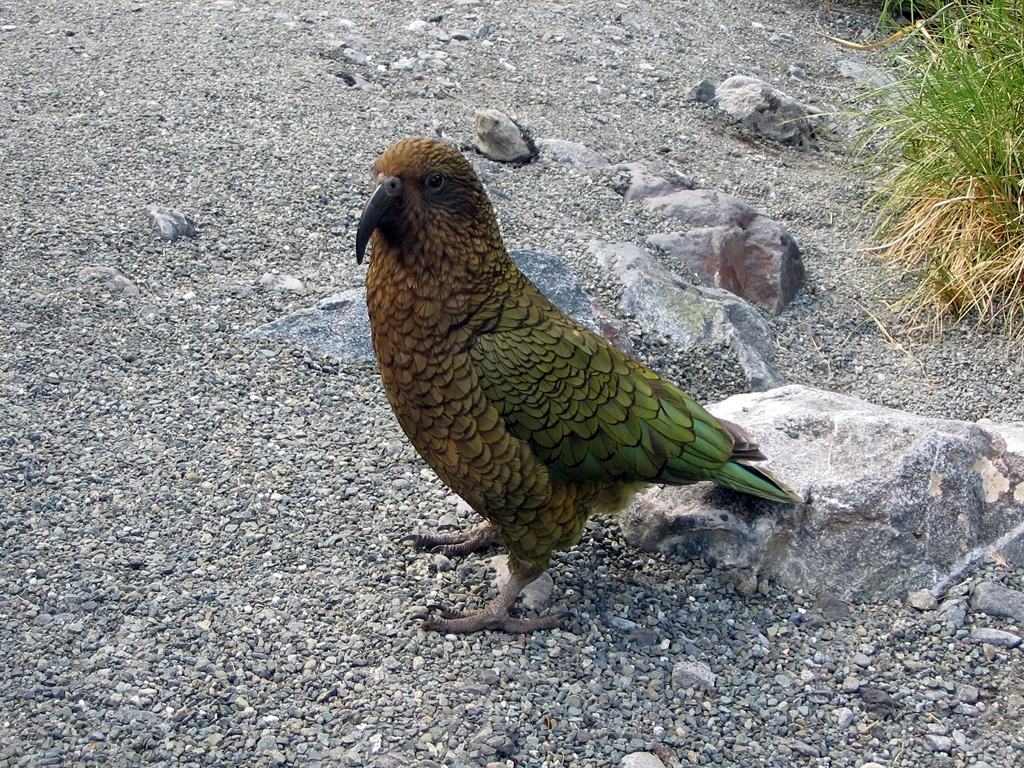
(442, 225)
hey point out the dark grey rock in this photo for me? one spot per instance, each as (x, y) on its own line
(968, 694)
(545, 270)
(704, 92)
(997, 600)
(938, 743)
(338, 326)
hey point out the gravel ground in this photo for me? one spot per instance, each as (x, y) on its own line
(201, 562)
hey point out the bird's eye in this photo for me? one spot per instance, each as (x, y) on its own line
(435, 181)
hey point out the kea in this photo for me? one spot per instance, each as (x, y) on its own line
(533, 419)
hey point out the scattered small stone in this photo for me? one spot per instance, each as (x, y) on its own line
(861, 660)
(202, 531)
(877, 701)
(844, 717)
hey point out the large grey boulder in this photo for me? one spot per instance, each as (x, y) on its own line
(895, 502)
(690, 315)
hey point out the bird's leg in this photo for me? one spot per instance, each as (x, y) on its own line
(481, 537)
(495, 614)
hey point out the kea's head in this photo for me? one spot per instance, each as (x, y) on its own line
(427, 206)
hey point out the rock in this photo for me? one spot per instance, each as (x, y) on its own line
(339, 325)
(844, 718)
(443, 563)
(499, 138)
(894, 499)
(731, 246)
(282, 283)
(356, 81)
(877, 701)
(922, 600)
(571, 152)
(693, 674)
(690, 315)
(704, 92)
(764, 108)
(968, 694)
(953, 612)
(637, 183)
(170, 224)
(537, 594)
(641, 760)
(113, 279)
(938, 743)
(703, 208)
(997, 600)
(996, 637)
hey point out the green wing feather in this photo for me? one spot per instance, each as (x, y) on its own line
(589, 412)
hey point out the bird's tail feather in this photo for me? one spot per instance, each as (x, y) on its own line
(756, 481)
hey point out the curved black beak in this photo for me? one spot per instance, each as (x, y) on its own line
(385, 195)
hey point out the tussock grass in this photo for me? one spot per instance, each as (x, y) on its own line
(950, 139)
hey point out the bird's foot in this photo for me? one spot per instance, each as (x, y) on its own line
(481, 537)
(494, 616)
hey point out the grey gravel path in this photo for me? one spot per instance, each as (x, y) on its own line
(200, 561)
